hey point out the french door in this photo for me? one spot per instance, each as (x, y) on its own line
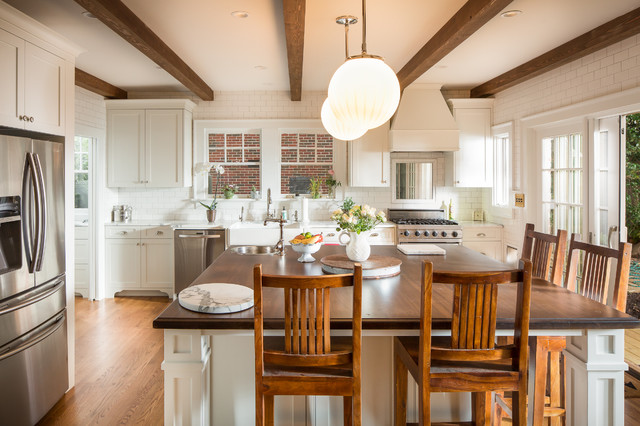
(580, 179)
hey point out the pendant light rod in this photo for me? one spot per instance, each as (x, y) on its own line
(364, 27)
(346, 20)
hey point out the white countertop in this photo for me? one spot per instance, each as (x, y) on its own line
(469, 223)
(226, 224)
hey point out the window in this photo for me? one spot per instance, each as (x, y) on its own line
(305, 156)
(81, 172)
(501, 170)
(562, 187)
(239, 153)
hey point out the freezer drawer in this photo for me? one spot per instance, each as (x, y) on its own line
(35, 365)
(21, 314)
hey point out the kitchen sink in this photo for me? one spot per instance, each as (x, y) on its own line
(255, 250)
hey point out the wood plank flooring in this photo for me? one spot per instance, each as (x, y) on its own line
(118, 357)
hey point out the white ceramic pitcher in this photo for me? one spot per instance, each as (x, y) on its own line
(358, 248)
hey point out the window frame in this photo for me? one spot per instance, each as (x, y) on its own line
(499, 133)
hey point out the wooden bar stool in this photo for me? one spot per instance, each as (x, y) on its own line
(595, 272)
(469, 360)
(547, 390)
(307, 360)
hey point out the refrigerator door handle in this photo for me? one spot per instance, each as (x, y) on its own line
(51, 328)
(31, 238)
(42, 205)
(5, 309)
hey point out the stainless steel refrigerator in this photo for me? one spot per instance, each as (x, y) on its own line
(33, 335)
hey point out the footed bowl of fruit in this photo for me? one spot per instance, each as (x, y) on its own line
(306, 244)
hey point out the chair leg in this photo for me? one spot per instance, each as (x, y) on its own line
(269, 410)
(357, 405)
(400, 391)
(347, 402)
(259, 408)
(481, 408)
(519, 416)
(540, 381)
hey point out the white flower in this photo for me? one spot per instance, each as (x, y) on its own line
(203, 167)
(219, 169)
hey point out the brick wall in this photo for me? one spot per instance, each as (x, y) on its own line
(316, 150)
(229, 148)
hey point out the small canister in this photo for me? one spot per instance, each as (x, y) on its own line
(126, 213)
(116, 214)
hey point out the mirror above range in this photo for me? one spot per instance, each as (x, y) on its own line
(415, 176)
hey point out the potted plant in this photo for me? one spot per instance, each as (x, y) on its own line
(314, 187)
(230, 190)
(332, 183)
(255, 194)
(211, 208)
(356, 222)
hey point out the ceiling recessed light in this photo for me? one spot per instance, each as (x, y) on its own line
(240, 14)
(511, 13)
(88, 15)
(260, 67)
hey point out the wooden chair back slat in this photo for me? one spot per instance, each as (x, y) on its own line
(307, 312)
(546, 252)
(595, 274)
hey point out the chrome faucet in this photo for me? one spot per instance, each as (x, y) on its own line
(269, 201)
(279, 247)
(241, 217)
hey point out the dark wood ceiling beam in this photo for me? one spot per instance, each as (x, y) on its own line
(469, 19)
(294, 15)
(101, 87)
(605, 35)
(118, 17)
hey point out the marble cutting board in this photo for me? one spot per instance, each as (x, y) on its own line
(216, 298)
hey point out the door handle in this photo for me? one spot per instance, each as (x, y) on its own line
(43, 212)
(612, 229)
(200, 236)
(30, 236)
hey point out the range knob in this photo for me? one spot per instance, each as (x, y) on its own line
(454, 234)
(405, 233)
(426, 233)
(417, 233)
(434, 234)
(444, 233)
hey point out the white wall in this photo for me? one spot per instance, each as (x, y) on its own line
(610, 70)
(175, 204)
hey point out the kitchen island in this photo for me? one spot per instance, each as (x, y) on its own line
(209, 359)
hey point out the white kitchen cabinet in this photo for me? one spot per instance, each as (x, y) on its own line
(32, 83)
(139, 258)
(485, 238)
(369, 159)
(472, 165)
(149, 143)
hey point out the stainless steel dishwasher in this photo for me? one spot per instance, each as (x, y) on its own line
(195, 250)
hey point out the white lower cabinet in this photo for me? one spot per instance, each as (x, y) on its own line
(487, 239)
(139, 258)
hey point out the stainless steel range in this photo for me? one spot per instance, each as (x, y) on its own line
(425, 226)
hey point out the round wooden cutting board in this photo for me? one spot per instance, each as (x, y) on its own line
(372, 268)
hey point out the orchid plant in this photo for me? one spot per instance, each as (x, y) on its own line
(219, 170)
(356, 218)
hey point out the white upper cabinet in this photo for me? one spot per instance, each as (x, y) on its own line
(369, 159)
(472, 165)
(33, 86)
(149, 143)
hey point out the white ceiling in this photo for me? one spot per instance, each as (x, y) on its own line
(227, 52)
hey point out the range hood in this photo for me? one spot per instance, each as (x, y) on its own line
(423, 121)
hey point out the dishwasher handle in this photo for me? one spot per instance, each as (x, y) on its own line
(200, 236)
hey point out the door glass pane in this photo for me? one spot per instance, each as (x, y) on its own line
(603, 158)
(547, 186)
(548, 218)
(603, 188)
(603, 227)
(81, 190)
(547, 153)
(562, 187)
(563, 153)
(574, 224)
(575, 187)
(576, 151)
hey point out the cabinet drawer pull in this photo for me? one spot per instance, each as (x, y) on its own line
(22, 118)
(331, 234)
(375, 234)
(159, 233)
(123, 232)
(481, 234)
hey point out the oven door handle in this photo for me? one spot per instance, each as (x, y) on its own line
(51, 327)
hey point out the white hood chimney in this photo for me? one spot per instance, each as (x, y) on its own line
(423, 121)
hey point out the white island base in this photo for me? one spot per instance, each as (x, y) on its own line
(209, 380)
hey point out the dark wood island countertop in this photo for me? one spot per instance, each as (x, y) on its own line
(392, 303)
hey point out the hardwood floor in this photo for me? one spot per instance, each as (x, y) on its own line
(118, 357)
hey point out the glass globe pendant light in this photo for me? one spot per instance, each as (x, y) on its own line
(364, 91)
(339, 129)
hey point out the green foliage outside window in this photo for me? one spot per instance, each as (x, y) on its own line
(633, 178)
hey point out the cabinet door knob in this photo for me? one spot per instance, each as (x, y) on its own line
(21, 117)
(331, 234)
(375, 234)
(123, 232)
(31, 119)
(137, 244)
(159, 232)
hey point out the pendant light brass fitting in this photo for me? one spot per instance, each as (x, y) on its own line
(346, 20)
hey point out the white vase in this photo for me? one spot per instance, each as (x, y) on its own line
(358, 248)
